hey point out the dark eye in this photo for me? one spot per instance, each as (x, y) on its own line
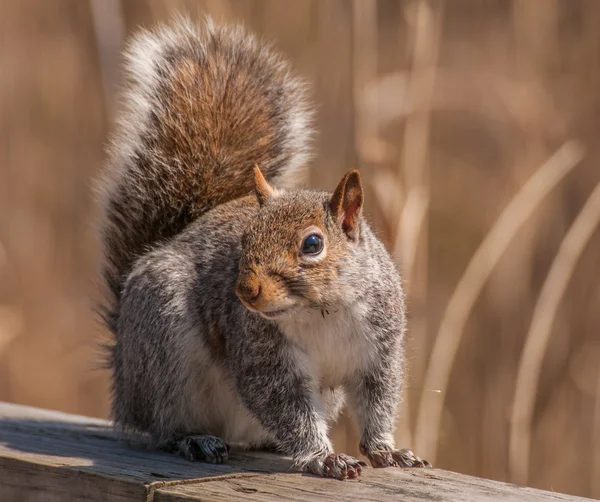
(312, 245)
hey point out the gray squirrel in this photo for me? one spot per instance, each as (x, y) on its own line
(246, 310)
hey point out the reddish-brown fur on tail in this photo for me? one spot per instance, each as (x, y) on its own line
(203, 106)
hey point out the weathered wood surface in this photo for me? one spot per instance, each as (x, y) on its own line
(51, 456)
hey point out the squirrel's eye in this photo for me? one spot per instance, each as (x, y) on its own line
(312, 245)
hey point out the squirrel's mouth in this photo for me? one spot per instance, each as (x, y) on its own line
(273, 314)
(270, 314)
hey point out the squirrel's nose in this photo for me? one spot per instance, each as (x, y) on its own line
(249, 291)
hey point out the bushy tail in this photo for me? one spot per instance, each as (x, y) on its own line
(203, 105)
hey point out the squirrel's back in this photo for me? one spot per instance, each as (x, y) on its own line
(202, 106)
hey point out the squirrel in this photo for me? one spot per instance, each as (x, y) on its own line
(246, 310)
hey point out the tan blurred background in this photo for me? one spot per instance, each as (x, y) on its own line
(475, 123)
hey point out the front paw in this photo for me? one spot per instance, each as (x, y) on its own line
(396, 458)
(336, 465)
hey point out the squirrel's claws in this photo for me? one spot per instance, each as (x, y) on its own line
(204, 448)
(336, 465)
(397, 458)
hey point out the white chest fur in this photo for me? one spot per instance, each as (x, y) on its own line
(335, 344)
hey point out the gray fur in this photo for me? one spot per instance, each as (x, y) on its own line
(193, 366)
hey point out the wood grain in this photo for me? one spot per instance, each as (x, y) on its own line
(52, 456)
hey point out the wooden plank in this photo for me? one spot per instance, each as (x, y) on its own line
(373, 485)
(52, 456)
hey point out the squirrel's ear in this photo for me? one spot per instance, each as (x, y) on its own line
(262, 189)
(347, 202)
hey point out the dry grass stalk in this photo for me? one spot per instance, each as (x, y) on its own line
(11, 323)
(470, 285)
(536, 342)
(364, 60)
(414, 160)
(595, 488)
(109, 28)
(410, 239)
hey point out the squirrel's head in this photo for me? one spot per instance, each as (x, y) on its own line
(296, 245)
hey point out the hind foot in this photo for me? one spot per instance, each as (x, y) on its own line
(203, 448)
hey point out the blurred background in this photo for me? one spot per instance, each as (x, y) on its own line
(475, 124)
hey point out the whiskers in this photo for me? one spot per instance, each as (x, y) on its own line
(296, 286)
(326, 309)
(300, 288)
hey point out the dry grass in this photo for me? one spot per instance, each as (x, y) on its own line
(538, 336)
(471, 284)
(595, 484)
(449, 109)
